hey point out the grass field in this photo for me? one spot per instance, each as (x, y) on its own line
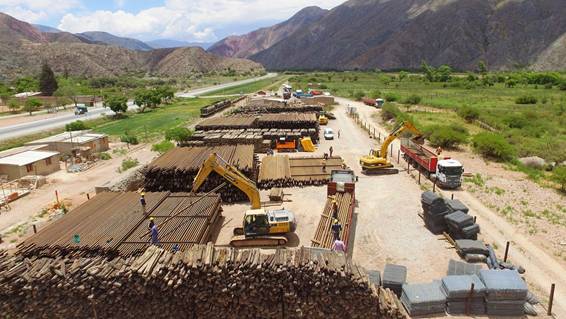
(153, 123)
(533, 129)
(266, 84)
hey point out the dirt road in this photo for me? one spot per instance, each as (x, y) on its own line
(542, 268)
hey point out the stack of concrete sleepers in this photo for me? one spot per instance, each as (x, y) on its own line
(462, 225)
(506, 292)
(394, 277)
(456, 267)
(424, 299)
(472, 250)
(435, 209)
(461, 298)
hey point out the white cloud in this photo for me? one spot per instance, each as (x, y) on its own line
(36, 10)
(189, 20)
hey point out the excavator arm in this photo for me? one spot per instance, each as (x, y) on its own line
(405, 126)
(215, 163)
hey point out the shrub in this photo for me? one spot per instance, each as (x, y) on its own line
(76, 126)
(563, 85)
(526, 99)
(162, 147)
(468, 113)
(413, 99)
(104, 156)
(391, 97)
(358, 95)
(178, 134)
(129, 139)
(389, 112)
(447, 136)
(559, 176)
(129, 163)
(493, 146)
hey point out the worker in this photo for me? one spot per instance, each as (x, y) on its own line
(154, 235)
(324, 165)
(151, 223)
(330, 151)
(339, 246)
(338, 133)
(336, 228)
(334, 209)
(325, 156)
(142, 201)
(438, 150)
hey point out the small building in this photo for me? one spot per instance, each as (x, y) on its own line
(28, 162)
(73, 143)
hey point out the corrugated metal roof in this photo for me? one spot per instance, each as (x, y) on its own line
(25, 158)
(76, 137)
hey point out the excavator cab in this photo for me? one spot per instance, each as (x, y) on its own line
(256, 223)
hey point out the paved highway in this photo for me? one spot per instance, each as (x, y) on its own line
(17, 130)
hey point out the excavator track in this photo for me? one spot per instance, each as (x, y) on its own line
(259, 241)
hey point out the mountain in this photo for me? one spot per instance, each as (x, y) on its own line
(170, 43)
(400, 34)
(110, 39)
(46, 28)
(246, 45)
(23, 48)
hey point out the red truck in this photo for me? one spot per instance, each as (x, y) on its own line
(446, 171)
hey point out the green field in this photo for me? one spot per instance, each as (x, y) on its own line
(532, 129)
(153, 123)
(266, 84)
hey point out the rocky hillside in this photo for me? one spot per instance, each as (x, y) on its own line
(248, 44)
(23, 48)
(400, 34)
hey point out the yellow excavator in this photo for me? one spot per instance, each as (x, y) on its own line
(376, 162)
(259, 226)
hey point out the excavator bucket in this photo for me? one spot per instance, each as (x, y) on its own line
(307, 144)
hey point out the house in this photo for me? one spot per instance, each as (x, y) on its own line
(73, 143)
(22, 162)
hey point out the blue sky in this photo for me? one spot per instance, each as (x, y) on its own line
(189, 20)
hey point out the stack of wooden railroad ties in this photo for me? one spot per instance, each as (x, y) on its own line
(96, 261)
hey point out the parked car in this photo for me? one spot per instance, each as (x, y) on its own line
(328, 134)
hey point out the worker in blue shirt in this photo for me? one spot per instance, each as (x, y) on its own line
(154, 235)
(142, 201)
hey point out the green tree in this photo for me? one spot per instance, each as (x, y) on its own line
(118, 104)
(178, 134)
(402, 75)
(147, 99)
(31, 105)
(14, 105)
(493, 146)
(413, 99)
(26, 84)
(482, 67)
(47, 82)
(559, 176)
(76, 126)
(429, 71)
(447, 136)
(166, 93)
(68, 91)
(443, 73)
(468, 113)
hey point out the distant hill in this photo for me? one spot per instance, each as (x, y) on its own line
(46, 28)
(170, 43)
(243, 46)
(23, 48)
(400, 34)
(110, 39)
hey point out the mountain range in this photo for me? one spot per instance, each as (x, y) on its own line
(23, 48)
(401, 34)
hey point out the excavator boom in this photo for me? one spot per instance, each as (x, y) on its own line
(405, 126)
(215, 163)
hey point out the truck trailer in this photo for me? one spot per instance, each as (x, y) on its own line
(445, 171)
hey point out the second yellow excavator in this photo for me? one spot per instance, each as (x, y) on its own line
(259, 225)
(376, 162)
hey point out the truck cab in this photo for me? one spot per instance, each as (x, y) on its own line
(80, 109)
(449, 173)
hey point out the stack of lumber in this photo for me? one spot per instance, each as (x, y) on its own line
(229, 122)
(203, 282)
(175, 170)
(271, 106)
(390, 306)
(113, 224)
(288, 120)
(323, 236)
(285, 171)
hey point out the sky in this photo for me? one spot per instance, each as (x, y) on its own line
(187, 20)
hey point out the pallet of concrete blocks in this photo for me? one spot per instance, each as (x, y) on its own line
(462, 297)
(472, 250)
(506, 292)
(424, 299)
(394, 277)
(434, 209)
(461, 225)
(456, 267)
(455, 205)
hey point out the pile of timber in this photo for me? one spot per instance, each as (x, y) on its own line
(175, 170)
(323, 237)
(203, 282)
(228, 122)
(390, 306)
(275, 106)
(285, 171)
(288, 120)
(112, 224)
(214, 108)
